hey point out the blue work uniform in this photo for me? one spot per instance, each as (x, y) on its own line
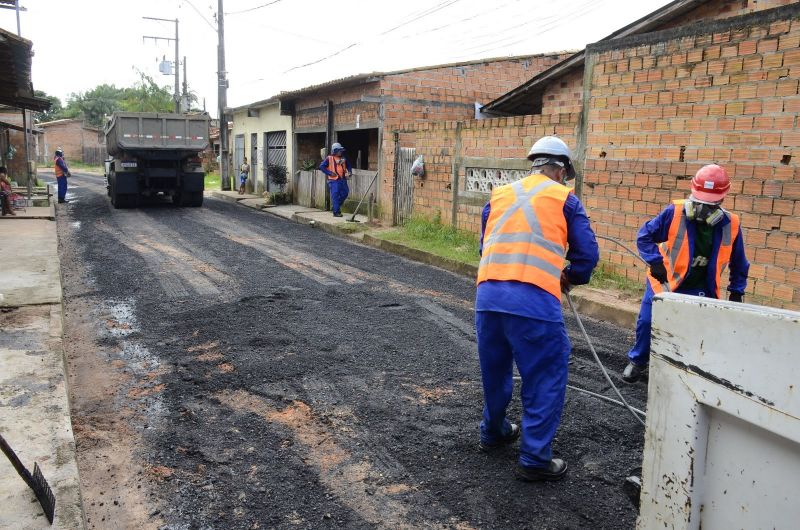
(62, 171)
(521, 323)
(338, 187)
(656, 231)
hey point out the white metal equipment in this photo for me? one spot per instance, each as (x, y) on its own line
(722, 443)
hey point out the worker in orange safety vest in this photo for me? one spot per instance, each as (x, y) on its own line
(337, 168)
(529, 227)
(688, 247)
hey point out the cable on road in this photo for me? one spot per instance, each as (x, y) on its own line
(632, 410)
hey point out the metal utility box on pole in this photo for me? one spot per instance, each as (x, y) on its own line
(177, 57)
(223, 100)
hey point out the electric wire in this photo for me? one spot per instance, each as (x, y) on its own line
(200, 14)
(252, 8)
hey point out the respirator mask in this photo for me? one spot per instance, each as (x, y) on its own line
(703, 212)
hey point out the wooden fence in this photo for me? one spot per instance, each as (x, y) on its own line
(309, 187)
(94, 155)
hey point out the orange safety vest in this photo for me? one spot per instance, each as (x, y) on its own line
(525, 239)
(675, 250)
(337, 166)
(59, 172)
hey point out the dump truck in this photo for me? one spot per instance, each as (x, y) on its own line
(155, 154)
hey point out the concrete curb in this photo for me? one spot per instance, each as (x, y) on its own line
(464, 269)
(596, 303)
(36, 417)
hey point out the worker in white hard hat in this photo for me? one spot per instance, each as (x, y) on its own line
(688, 246)
(337, 168)
(529, 227)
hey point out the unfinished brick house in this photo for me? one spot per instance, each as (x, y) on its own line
(79, 141)
(362, 111)
(693, 83)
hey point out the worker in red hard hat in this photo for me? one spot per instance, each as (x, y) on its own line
(688, 246)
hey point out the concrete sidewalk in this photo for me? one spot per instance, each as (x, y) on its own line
(35, 418)
(602, 304)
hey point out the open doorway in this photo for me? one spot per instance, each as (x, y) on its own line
(361, 146)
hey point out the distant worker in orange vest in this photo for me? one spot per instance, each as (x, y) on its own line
(337, 168)
(688, 246)
(529, 228)
(62, 173)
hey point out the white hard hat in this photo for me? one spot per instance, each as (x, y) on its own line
(336, 147)
(552, 150)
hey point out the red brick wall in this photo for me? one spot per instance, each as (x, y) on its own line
(72, 137)
(659, 111)
(311, 111)
(564, 95)
(493, 138)
(719, 9)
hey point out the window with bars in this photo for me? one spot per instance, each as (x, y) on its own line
(483, 180)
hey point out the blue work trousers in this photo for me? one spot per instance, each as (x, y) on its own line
(541, 351)
(640, 353)
(339, 192)
(62, 188)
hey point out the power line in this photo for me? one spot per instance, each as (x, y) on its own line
(252, 8)
(201, 15)
(323, 59)
(415, 17)
(434, 9)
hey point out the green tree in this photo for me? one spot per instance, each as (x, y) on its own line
(147, 96)
(50, 114)
(94, 104)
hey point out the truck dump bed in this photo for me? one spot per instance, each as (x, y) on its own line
(147, 131)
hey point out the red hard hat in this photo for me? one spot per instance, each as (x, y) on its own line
(710, 183)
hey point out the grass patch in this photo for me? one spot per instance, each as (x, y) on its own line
(212, 181)
(604, 277)
(434, 237)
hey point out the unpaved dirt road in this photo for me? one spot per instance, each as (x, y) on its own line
(232, 370)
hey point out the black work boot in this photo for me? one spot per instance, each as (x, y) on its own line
(555, 471)
(633, 372)
(510, 438)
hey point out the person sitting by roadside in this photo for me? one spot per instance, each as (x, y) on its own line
(6, 195)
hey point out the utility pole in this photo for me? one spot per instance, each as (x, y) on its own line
(223, 100)
(177, 57)
(185, 96)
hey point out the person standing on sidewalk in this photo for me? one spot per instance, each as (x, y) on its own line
(688, 246)
(244, 172)
(529, 227)
(337, 168)
(62, 174)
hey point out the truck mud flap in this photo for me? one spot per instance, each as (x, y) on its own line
(193, 182)
(126, 183)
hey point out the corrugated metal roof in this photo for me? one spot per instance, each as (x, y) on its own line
(521, 100)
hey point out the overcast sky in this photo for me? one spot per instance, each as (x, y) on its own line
(83, 43)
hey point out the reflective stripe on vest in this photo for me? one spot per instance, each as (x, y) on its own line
(517, 246)
(338, 169)
(59, 172)
(676, 250)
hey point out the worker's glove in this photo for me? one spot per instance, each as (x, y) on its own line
(735, 297)
(565, 285)
(658, 271)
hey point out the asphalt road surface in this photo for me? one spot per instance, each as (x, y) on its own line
(229, 369)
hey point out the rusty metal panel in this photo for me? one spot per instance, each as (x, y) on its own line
(722, 443)
(404, 186)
